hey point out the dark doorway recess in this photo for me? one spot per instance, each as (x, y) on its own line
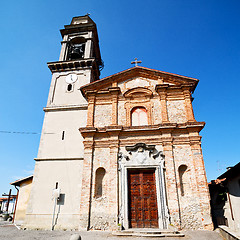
(142, 199)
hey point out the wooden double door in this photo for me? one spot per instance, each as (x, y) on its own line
(142, 199)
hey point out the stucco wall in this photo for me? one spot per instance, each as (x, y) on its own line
(68, 174)
(58, 94)
(22, 202)
(52, 145)
(234, 195)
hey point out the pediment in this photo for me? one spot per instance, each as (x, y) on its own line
(139, 77)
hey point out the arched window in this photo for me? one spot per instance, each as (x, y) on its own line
(139, 116)
(100, 173)
(183, 178)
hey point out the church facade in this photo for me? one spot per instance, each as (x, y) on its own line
(123, 151)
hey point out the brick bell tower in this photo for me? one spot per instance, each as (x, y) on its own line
(60, 155)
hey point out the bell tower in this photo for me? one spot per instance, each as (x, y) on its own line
(80, 43)
(79, 64)
(60, 156)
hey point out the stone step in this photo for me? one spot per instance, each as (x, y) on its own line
(149, 233)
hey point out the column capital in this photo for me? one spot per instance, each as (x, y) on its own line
(161, 89)
(91, 95)
(114, 90)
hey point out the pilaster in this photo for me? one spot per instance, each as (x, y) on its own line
(86, 192)
(201, 179)
(63, 49)
(162, 91)
(114, 93)
(188, 105)
(88, 46)
(171, 180)
(113, 186)
(91, 96)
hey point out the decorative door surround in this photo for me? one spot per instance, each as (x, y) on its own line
(142, 156)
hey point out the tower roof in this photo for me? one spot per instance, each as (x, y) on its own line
(79, 24)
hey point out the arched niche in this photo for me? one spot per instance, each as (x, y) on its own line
(100, 173)
(183, 178)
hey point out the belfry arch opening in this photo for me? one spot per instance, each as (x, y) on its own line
(76, 48)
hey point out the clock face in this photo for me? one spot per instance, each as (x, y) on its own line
(71, 78)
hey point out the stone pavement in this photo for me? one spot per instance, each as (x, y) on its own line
(8, 231)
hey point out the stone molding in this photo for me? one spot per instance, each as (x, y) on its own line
(138, 92)
(162, 134)
(66, 108)
(58, 159)
(139, 71)
(191, 127)
(138, 97)
(129, 105)
(61, 66)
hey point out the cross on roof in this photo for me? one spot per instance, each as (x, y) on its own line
(136, 62)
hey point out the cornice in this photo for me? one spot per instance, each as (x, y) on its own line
(165, 87)
(141, 72)
(165, 127)
(65, 108)
(61, 66)
(58, 159)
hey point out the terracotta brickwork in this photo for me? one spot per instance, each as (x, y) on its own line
(171, 128)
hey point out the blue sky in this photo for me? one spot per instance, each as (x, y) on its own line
(194, 38)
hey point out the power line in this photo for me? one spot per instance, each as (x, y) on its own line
(13, 132)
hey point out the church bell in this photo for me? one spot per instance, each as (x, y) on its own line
(76, 51)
